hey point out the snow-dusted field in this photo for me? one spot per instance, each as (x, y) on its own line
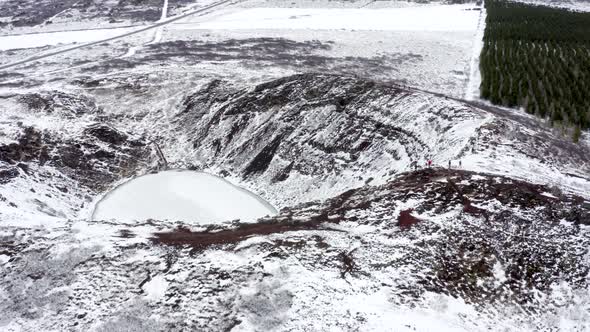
(426, 46)
(191, 197)
(35, 40)
(417, 18)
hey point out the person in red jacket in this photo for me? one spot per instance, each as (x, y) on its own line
(429, 163)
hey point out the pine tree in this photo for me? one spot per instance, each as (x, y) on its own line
(577, 134)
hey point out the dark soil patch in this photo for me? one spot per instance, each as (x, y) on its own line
(474, 210)
(405, 220)
(525, 234)
(330, 212)
(201, 240)
(348, 264)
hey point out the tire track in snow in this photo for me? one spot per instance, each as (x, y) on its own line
(160, 29)
(474, 79)
(157, 34)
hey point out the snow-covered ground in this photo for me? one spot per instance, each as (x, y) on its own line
(427, 46)
(417, 18)
(35, 40)
(362, 273)
(191, 197)
(332, 151)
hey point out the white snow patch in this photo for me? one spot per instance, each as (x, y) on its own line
(443, 315)
(577, 5)
(499, 273)
(176, 195)
(155, 288)
(251, 241)
(546, 194)
(131, 52)
(55, 38)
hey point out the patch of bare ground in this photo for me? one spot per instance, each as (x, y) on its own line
(405, 219)
(331, 212)
(183, 236)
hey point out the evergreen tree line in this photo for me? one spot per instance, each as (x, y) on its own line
(539, 58)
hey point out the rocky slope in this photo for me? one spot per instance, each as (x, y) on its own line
(310, 136)
(59, 150)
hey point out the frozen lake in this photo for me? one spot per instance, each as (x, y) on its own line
(181, 195)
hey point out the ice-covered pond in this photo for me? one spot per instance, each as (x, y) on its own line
(181, 195)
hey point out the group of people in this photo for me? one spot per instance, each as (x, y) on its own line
(414, 164)
(450, 164)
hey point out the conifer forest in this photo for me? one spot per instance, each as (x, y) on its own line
(538, 58)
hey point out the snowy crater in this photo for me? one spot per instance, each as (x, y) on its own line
(181, 195)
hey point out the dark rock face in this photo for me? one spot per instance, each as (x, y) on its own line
(262, 160)
(67, 105)
(82, 159)
(6, 174)
(80, 156)
(106, 134)
(308, 124)
(28, 147)
(345, 130)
